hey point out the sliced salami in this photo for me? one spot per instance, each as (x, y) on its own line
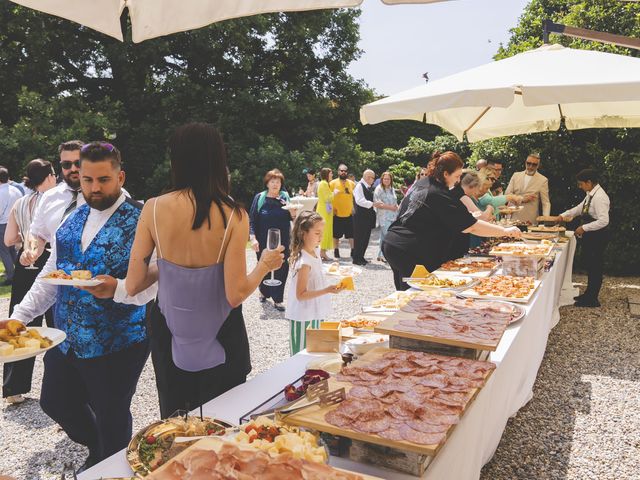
(334, 417)
(372, 426)
(360, 392)
(411, 435)
(427, 427)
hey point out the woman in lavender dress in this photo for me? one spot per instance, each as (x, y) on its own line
(198, 337)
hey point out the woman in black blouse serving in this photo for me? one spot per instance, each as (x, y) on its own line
(429, 219)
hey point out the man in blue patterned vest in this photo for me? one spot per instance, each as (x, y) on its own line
(90, 378)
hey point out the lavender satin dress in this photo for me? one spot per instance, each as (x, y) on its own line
(195, 306)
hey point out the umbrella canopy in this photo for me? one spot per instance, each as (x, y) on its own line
(155, 18)
(529, 92)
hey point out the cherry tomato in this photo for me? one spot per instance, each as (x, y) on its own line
(150, 439)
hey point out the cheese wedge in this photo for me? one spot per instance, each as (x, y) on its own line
(420, 271)
(346, 283)
(6, 348)
(32, 343)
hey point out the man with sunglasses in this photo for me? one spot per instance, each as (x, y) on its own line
(342, 209)
(90, 378)
(58, 202)
(534, 189)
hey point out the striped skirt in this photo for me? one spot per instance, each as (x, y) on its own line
(298, 334)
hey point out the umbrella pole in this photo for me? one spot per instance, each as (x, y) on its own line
(476, 121)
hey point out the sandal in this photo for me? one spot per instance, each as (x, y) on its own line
(279, 306)
(262, 298)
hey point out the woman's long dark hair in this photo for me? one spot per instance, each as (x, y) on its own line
(199, 164)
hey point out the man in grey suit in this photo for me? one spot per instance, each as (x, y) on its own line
(534, 187)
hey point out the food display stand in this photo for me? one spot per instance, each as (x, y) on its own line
(474, 440)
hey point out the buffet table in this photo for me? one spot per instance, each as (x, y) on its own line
(475, 439)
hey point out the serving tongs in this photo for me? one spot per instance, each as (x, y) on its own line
(313, 391)
(324, 400)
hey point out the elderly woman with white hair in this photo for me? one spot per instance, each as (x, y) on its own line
(467, 191)
(364, 216)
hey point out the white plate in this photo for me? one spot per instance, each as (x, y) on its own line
(72, 283)
(292, 206)
(348, 272)
(472, 294)
(469, 281)
(53, 334)
(362, 344)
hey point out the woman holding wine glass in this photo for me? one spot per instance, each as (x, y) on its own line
(199, 343)
(268, 219)
(40, 177)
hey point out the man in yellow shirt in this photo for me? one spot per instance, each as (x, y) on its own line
(342, 209)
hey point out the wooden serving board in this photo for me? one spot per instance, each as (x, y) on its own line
(388, 327)
(214, 444)
(313, 417)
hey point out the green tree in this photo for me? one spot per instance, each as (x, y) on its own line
(280, 77)
(614, 152)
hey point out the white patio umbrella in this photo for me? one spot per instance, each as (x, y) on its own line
(529, 92)
(155, 18)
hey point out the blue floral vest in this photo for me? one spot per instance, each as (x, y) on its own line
(97, 327)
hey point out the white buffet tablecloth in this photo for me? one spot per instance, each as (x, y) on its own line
(474, 441)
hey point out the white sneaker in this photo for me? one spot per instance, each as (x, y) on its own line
(15, 399)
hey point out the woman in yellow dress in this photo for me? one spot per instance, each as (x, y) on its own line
(325, 209)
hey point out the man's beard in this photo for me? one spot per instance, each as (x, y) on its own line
(343, 176)
(75, 184)
(102, 202)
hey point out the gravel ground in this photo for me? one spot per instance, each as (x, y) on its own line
(583, 421)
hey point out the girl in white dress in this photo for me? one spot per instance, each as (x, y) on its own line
(305, 305)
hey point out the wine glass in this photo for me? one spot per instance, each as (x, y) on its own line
(273, 242)
(31, 246)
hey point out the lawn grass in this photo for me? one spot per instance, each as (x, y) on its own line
(5, 290)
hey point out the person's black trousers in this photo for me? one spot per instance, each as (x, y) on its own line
(362, 226)
(593, 246)
(182, 390)
(16, 378)
(401, 262)
(276, 293)
(91, 398)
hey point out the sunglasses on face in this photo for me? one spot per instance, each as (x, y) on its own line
(531, 164)
(67, 164)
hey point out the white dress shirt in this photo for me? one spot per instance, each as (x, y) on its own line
(358, 195)
(48, 215)
(42, 295)
(598, 209)
(527, 178)
(9, 195)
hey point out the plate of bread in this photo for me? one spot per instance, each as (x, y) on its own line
(77, 278)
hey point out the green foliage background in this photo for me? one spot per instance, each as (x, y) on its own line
(277, 86)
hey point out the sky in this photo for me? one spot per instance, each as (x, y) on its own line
(401, 42)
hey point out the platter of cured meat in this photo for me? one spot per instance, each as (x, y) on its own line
(452, 321)
(504, 287)
(216, 458)
(404, 400)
